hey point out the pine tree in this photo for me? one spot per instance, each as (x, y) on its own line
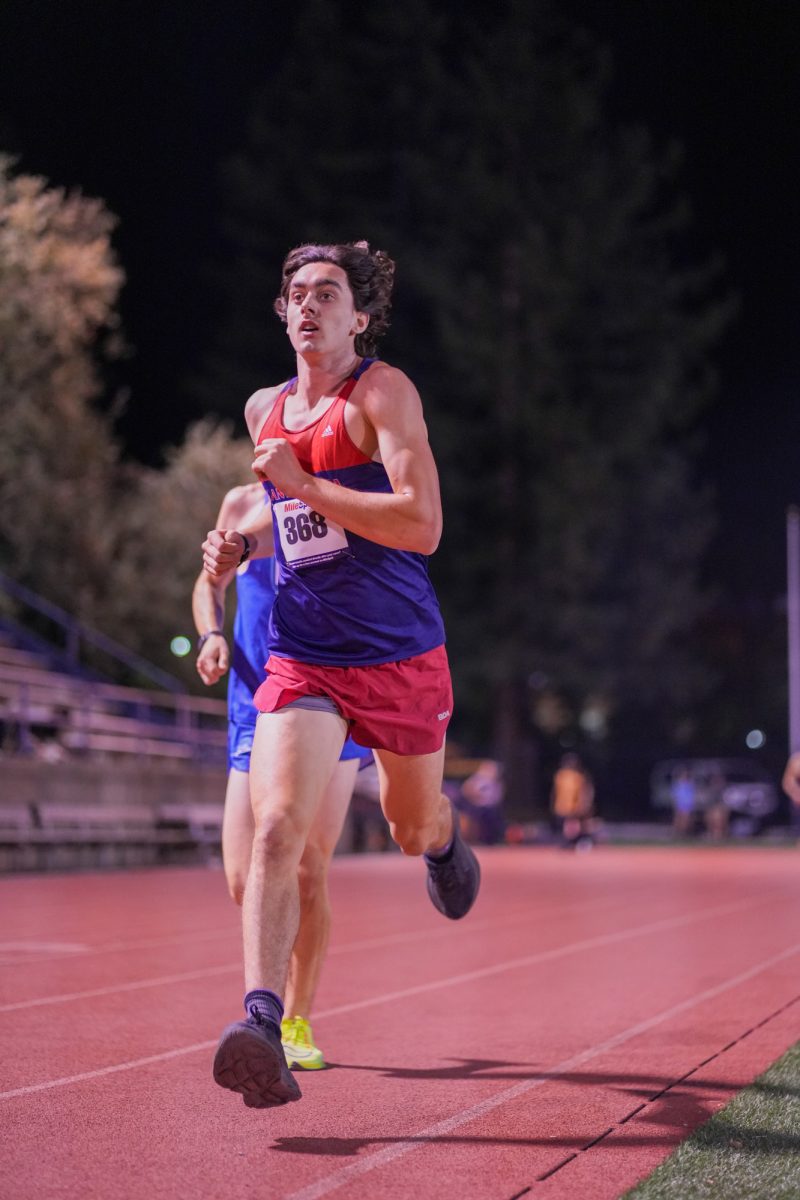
(328, 157)
(548, 309)
(579, 357)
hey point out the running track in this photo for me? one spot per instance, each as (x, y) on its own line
(557, 1043)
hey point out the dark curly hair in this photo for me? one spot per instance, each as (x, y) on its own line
(370, 274)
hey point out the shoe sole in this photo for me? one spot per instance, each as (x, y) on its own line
(434, 898)
(246, 1064)
(293, 1062)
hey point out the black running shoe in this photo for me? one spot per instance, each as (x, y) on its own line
(453, 884)
(250, 1060)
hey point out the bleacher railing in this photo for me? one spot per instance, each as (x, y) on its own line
(76, 634)
(69, 711)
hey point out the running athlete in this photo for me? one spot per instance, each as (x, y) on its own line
(355, 634)
(245, 507)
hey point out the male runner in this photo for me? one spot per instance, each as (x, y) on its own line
(246, 508)
(356, 636)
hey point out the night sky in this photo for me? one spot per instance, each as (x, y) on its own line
(140, 104)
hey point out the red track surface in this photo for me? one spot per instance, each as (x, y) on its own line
(557, 1043)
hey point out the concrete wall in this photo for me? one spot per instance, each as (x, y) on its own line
(28, 780)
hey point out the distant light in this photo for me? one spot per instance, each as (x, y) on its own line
(180, 646)
(593, 721)
(755, 739)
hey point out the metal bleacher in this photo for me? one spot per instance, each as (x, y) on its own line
(39, 706)
(137, 758)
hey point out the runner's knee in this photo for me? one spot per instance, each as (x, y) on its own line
(413, 839)
(277, 839)
(312, 872)
(236, 882)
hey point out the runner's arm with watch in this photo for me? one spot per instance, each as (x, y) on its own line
(245, 507)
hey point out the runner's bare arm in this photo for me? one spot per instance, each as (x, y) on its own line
(248, 515)
(410, 517)
(208, 595)
(208, 610)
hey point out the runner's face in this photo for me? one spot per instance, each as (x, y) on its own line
(320, 314)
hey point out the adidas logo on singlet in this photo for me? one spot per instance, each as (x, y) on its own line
(327, 431)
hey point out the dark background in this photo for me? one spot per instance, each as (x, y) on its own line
(140, 105)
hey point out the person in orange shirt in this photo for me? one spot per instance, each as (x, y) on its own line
(572, 800)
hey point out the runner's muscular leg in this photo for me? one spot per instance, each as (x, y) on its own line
(309, 949)
(420, 817)
(308, 952)
(294, 755)
(237, 833)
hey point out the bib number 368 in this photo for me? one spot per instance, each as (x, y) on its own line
(306, 536)
(304, 526)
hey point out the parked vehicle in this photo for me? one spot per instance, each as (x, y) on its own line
(743, 786)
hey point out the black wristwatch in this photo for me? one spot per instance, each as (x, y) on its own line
(246, 551)
(201, 641)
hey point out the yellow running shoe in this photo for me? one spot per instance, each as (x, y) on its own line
(298, 1044)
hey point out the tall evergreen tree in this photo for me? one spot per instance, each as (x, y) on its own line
(545, 306)
(328, 156)
(579, 353)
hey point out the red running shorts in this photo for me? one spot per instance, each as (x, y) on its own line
(404, 707)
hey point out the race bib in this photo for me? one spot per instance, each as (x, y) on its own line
(306, 537)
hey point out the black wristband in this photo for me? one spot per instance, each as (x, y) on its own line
(201, 641)
(246, 551)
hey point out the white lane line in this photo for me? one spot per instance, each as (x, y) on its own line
(203, 972)
(113, 989)
(605, 939)
(112, 1070)
(380, 1158)
(388, 997)
(522, 913)
(530, 960)
(145, 944)
(516, 916)
(35, 947)
(375, 943)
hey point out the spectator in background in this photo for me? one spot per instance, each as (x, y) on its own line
(572, 801)
(684, 797)
(717, 813)
(483, 791)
